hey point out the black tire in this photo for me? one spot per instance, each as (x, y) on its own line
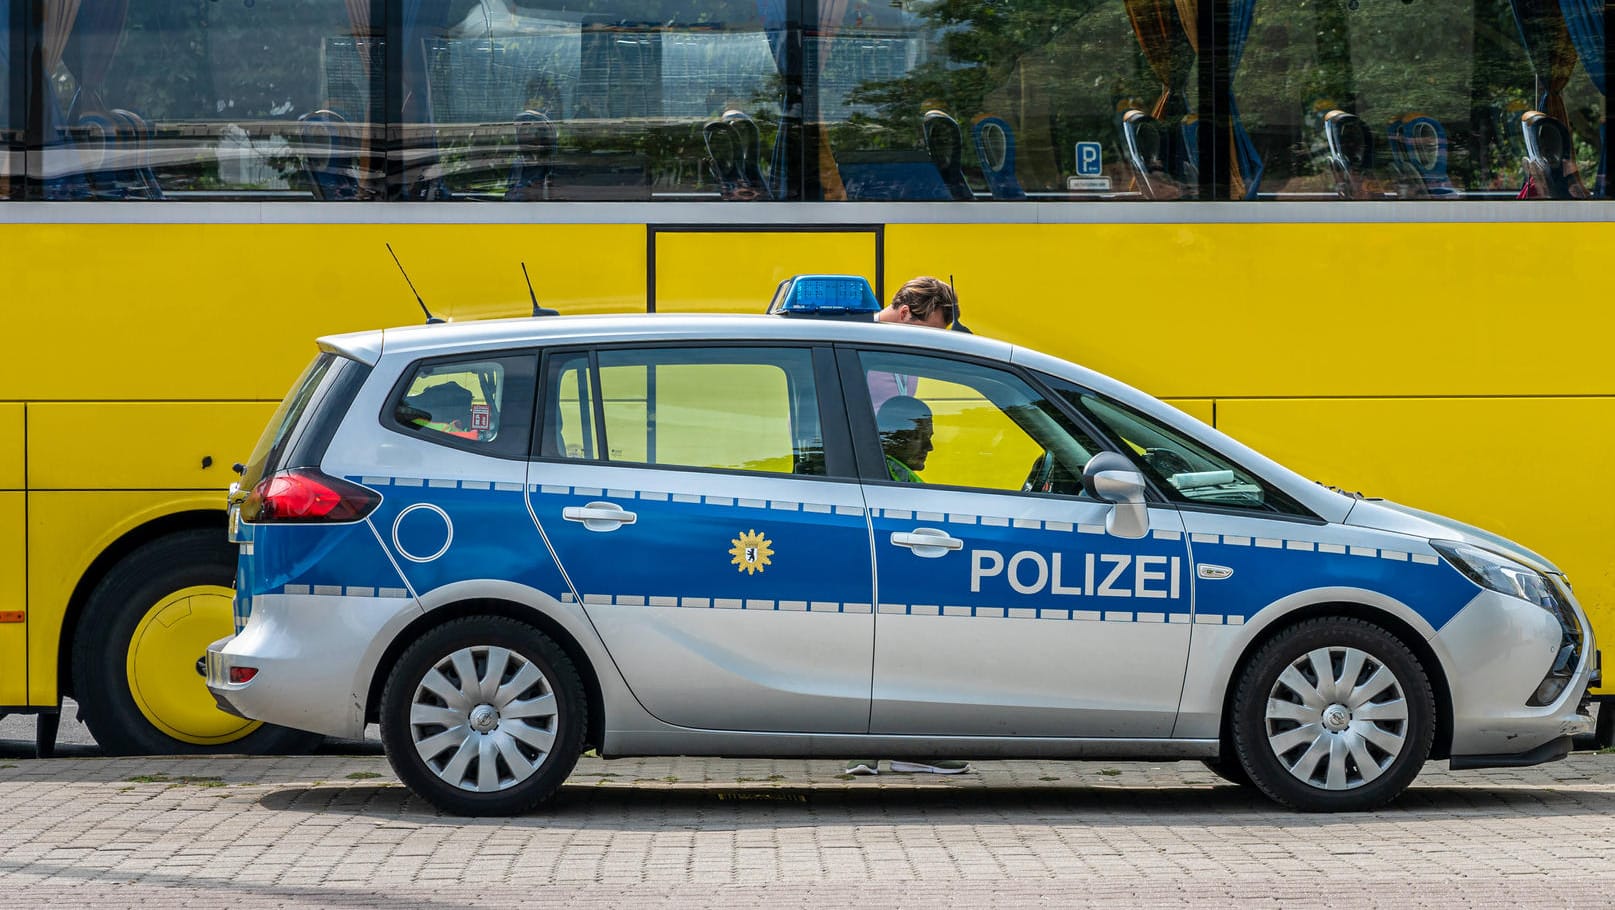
(1343, 641)
(1229, 769)
(440, 782)
(179, 716)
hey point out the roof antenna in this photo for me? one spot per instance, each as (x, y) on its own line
(537, 310)
(957, 325)
(430, 319)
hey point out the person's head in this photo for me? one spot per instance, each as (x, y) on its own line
(923, 301)
(905, 430)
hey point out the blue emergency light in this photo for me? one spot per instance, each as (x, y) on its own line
(825, 297)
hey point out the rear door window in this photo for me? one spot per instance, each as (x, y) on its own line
(721, 408)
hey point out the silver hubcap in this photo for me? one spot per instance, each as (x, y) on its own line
(1337, 718)
(483, 719)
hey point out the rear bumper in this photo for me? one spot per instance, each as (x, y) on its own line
(314, 655)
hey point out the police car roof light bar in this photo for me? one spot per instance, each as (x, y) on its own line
(825, 297)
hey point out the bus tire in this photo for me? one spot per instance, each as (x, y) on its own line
(484, 716)
(137, 672)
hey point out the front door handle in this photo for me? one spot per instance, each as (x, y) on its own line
(599, 516)
(929, 543)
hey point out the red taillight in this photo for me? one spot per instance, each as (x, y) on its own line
(308, 495)
(240, 675)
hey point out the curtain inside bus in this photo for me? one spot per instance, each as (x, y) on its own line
(1585, 21)
(10, 128)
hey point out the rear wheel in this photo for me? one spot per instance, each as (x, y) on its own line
(1333, 715)
(484, 716)
(137, 660)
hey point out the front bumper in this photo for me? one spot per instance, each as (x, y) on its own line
(314, 655)
(1500, 649)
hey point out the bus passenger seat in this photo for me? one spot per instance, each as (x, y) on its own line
(945, 144)
(1550, 159)
(1159, 166)
(536, 142)
(1351, 154)
(734, 149)
(327, 156)
(995, 147)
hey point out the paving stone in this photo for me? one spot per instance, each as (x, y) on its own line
(339, 831)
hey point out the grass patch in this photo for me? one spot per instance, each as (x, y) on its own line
(363, 775)
(184, 780)
(671, 778)
(1109, 772)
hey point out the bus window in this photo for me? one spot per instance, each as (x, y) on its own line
(11, 106)
(156, 100)
(1428, 100)
(515, 102)
(931, 101)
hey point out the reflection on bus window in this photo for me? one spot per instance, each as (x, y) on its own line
(515, 101)
(1445, 99)
(11, 137)
(942, 101)
(149, 99)
(764, 100)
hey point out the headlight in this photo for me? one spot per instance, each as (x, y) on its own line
(1506, 576)
(1499, 573)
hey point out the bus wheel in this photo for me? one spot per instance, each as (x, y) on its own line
(137, 671)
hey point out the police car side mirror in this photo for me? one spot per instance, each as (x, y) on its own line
(1111, 478)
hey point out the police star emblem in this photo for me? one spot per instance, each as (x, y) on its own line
(751, 552)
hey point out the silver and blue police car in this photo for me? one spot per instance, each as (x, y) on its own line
(508, 542)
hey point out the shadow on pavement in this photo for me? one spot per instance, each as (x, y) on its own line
(717, 806)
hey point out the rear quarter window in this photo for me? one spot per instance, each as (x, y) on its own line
(481, 403)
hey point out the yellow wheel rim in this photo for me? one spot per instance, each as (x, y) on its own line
(171, 638)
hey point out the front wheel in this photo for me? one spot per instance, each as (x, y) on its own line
(1333, 715)
(483, 716)
(137, 657)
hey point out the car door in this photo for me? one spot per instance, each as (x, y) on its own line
(715, 540)
(1005, 606)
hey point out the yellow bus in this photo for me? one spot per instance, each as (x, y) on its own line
(1371, 239)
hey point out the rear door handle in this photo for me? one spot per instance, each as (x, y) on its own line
(599, 516)
(929, 543)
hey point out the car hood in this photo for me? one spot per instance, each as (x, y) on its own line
(1384, 515)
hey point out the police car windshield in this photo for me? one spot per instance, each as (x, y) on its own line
(1182, 468)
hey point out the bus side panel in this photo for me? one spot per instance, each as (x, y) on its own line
(737, 271)
(140, 445)
(66, 531)
(237, 319)
(13, 604)
(1295, 309)
(1201, 409)
(1530, 469)
(13, 559)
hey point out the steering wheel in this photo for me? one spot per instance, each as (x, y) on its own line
(1167, 462)
(1039, 479)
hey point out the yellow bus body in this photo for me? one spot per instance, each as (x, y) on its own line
(1418, 361)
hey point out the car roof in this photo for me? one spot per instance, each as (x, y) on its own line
(425, 340)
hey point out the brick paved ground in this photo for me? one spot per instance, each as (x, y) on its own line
(339, 831)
